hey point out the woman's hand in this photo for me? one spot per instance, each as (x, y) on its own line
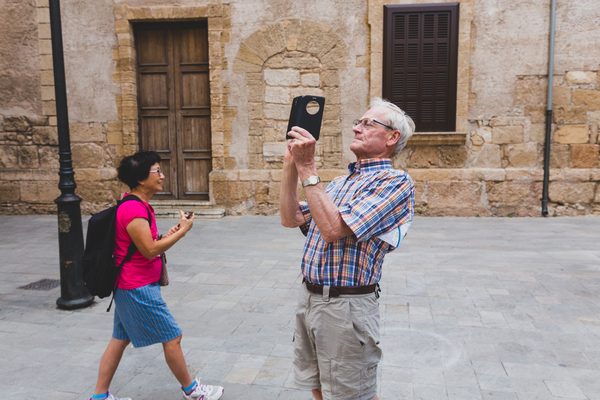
(185, 224)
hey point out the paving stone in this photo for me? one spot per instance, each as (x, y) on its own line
(472, 308)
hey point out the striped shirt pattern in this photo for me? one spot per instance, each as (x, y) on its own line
(374, 199)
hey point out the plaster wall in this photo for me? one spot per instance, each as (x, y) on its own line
(88, 39)
(511, 39)
(20, 92)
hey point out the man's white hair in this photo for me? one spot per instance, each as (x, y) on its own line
(397, 119)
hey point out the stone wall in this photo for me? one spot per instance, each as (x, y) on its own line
(265, 52)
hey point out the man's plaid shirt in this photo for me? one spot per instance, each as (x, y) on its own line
(372, 200)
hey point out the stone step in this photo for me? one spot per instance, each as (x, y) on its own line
(170, 208)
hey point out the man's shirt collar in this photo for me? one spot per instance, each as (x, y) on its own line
(369, 165)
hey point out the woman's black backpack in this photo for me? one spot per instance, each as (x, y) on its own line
(99, 270)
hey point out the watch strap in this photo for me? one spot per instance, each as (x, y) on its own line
(309, 183)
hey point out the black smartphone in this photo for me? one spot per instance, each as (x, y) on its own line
(307, 113)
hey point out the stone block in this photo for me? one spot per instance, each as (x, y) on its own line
(277, 94)
(15, 124)
(571, 192)
(455, 198)
(572, 134)
(537, 113)
(274, 149)
(311, 80)
(37, 120)
(39, 191)
(530, 91)
(591, 98)
(49, 157)
(585, 155)
(302, 91)
(9, 191)
(87, 155)
(593, 116)
(95, 174)
(523, 155)
(488, 157)
(274, 192)
(29, 157)
(500, 121)
(96, 192)
(287, 77)
(560, 156)
(9, 156)
(45, 135)
(424, 157)
(453, 156)
(276, 111)
(331, 78)
(256, 175)
(537, 133)
(570, 115)
(507, 134)
(581, 77)
(239, 191)
(300, 61)
(49, 107)
(509, 192)
(561, 95)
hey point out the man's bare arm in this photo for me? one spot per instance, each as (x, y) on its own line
(291, 215)
(322, 209)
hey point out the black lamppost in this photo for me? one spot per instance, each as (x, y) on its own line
(73, 293)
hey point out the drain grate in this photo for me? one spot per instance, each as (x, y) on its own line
(42, 284)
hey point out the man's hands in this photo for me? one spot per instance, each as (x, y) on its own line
(301, 150)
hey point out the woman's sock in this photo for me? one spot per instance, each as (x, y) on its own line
(190, 388)
(100, 396)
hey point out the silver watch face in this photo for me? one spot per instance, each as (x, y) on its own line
(313, 180)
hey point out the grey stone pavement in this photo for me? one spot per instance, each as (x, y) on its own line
(472, 308)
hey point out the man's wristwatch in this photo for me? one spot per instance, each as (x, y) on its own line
(311, 181)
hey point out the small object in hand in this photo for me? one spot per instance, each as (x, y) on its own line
(189, 215)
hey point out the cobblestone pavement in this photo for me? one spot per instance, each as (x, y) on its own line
(472, 308)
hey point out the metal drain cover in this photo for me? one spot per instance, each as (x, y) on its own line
(42, 284)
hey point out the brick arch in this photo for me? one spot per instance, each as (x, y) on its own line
(283, 60)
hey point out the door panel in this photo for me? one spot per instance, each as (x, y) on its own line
(174, 104)
(193, 112)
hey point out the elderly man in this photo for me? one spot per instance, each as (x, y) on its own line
(350, 226)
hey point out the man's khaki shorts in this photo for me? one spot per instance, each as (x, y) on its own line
(336, 345)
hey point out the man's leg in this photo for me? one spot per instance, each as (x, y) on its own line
(109, 363)
(176, 361)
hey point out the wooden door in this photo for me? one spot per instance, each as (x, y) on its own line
(174, 104)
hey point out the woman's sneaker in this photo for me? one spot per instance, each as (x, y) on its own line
(204, 392)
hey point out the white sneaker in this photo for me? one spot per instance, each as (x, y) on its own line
(111, 397)
(204, 392)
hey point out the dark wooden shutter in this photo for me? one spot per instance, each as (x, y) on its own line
(420, 63)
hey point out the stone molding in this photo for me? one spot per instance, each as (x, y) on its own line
(375, 20)
(124, 133)
(438, 139)
(283, 60)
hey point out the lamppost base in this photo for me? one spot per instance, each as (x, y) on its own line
(74, 304)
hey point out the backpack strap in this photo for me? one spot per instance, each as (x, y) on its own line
(132, 247)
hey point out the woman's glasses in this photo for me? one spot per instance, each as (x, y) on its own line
(160, 171)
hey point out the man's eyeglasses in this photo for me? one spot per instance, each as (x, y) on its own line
(160, 171)
(368, 123)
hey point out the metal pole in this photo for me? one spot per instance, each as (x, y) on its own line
(73, 293)
(549, 113)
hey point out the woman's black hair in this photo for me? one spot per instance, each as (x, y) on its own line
(136, 168)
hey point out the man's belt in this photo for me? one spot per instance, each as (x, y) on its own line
(335, 291)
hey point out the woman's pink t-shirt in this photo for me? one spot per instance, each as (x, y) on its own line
(139, 271)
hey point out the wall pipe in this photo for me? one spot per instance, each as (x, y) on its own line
(549, 113)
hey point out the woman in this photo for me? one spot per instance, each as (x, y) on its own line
(141, 315)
